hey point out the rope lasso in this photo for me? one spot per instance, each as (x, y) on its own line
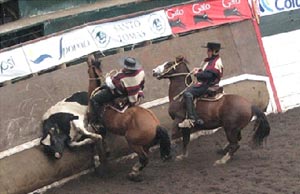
(186, 84)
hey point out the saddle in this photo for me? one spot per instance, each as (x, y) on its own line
(213, 93)
(120, 104)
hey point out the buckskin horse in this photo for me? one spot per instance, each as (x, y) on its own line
(140, 127)
(231, 112)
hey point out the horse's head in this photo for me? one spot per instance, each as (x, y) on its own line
(94, 67)
(95, 73)
(171, 68)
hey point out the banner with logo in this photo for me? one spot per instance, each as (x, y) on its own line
(13, 64)
(130, 31)
(193, 16)
(59, 49)
(268, 7)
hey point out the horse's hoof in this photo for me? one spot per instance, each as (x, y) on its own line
(218, 163)
(180, 157)
(97, 161)
(223, 160)
(135, 177)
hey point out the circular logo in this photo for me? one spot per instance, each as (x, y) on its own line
(100, 36)
(157, 24)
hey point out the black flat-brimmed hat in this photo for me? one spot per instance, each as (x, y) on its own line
(213, 46)
(130, 63)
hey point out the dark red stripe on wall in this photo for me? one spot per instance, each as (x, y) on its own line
(261, 46)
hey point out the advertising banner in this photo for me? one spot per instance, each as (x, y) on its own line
(268, 7)
(193, 16)
(130, 31)
(13, 64)
(59, 49)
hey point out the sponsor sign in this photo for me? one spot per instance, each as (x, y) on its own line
(43, 54)
(130, 31)
(59, 49)
(13, 64)
(269, 7)
(198, 15)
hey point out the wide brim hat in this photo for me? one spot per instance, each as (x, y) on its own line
(130, 63)
(213, 46)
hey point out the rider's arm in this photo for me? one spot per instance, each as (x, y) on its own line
(205, 76)
(109, 83)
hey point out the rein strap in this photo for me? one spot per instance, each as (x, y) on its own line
(175, 75)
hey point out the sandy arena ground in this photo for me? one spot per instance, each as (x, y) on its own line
(271, 170)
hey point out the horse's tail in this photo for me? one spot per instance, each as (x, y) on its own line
(261, 126)
(165, 143)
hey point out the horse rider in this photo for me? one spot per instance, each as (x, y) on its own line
(128, 82)
(210, 75)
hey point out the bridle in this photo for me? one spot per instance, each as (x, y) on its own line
(97, 78)
(173, 67)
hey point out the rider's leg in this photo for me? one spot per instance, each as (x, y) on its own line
(97, 101)
(189, 95)
(190, 107)
(197, 91)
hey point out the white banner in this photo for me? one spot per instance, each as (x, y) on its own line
(57, 50)
(130, 31)
(75, 44)
(269, 7)
(13, 64)
(43, 54)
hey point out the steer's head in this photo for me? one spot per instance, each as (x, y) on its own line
(56, 131)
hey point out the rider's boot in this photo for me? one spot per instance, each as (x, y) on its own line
(95, 119)
(192, 117)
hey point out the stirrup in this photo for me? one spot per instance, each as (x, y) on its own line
(186, 123)
(96, 126)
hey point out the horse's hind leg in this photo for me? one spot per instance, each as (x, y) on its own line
(233, 136)
(135, 174)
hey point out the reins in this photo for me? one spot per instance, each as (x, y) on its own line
(95, 77)
(177, 75)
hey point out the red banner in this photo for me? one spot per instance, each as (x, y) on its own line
(208, 13)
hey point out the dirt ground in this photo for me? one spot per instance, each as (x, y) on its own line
(271, 170)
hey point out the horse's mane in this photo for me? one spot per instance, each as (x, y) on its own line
(96, 64)
(182, 59)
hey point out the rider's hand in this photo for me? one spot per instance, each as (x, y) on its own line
(196, 70)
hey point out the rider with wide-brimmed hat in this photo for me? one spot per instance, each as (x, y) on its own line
(209, 75)
(129, 82)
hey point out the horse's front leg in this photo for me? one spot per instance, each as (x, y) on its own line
(99, 155)
(135, 174)
(186, 135)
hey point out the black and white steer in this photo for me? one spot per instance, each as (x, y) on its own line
(63, 124)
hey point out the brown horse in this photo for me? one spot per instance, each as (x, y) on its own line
(138, 125)
(231, 112)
